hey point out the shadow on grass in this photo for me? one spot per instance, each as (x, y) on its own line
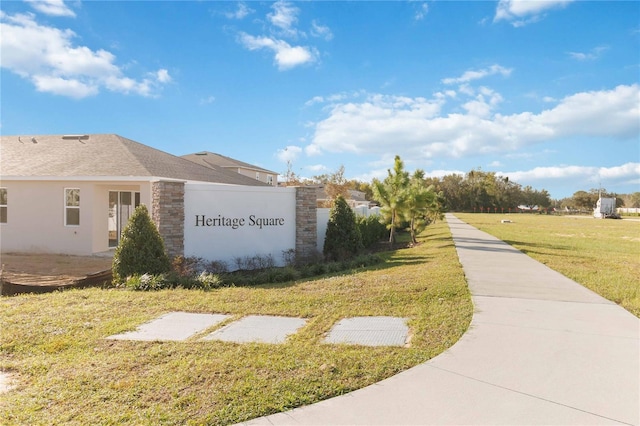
(507, 246)
(389, 263)
(535, 247)
(402, 254)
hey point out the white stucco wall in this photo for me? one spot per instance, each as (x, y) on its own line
(36, 210)
(223, 222)
(322, 216)
(35, 218)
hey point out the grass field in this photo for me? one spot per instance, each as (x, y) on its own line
(65, 372)
(601, 254)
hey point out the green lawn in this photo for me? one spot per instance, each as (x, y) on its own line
(66, 372)
(601, 254)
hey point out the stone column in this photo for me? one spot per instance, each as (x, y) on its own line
(167, 211)
(306, 224)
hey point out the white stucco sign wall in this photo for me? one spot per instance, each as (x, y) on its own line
(226, 222)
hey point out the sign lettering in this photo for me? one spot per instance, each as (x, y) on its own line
(237, 222)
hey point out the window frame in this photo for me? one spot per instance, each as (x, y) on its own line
(67, 207)
(4, 205)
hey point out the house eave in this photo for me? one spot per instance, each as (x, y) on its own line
(88, 178)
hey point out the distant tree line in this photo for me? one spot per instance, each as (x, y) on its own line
(476, 190)
(486, 191)
(586, 200)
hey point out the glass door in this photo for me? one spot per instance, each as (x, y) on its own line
(121, 207)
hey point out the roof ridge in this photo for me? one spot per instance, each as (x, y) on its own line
(233, 161)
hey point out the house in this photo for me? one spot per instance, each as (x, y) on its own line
(213, 160)
(73, 194)
(354, 198)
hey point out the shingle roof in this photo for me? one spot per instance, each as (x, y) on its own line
(209, 159)
(102, 155)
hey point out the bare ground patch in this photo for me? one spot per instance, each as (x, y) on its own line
(50, 269)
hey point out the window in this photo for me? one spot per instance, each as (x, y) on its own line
(3, 205)
(72, 206)
(257, 175)
(270, 179)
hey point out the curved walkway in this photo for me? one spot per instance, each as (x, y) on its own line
(541, 349)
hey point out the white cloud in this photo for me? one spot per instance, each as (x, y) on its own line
(322, 31)
(378, 121)
(421, 12)
(312, 150)
(163, 76)
(481, 106)
(317, 168)
(592, 55)
(331, 99)
(471, 75)
(290, 153)
(284, 17)
(208, 100)
(523, 12)
(51, 7)
(60, 86)
(241, 12)
(443, 173)
(286, 56)
(48, 58)
(314, 100)
(416, 127)
(585, 113)
(283, 21)
(618, 174)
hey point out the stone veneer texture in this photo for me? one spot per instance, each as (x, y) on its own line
(306, 223)
(168, 214)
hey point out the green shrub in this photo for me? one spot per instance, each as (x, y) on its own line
(141, 249)
(342, 240)
(208, 281)
(147, 282)
(372, 230)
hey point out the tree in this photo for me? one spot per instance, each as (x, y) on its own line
(419, 200)
(584, 200)
(292, 179)
(335, 184)
(141, 249)
(391, 194)
(533, 197)
(342, 239)
(364, 187)
(452, 187)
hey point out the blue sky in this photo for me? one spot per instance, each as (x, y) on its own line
(545, 92)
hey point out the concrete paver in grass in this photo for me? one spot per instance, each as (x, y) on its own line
(258, 328)
(174, 326)
(370, 331)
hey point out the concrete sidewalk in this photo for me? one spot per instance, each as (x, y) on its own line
(541, 349)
